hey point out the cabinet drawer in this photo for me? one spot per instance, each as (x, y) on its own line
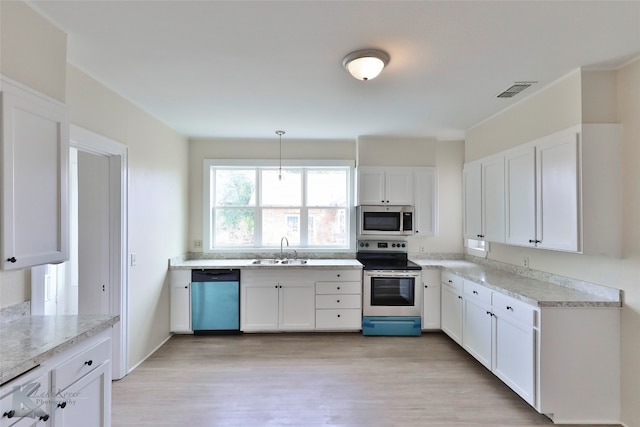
(338, 288)
(511, 308)
(338, 301)
(81, 364)
(339, 319)
(36, 387)
(328, 275)
(452, 280)
(476, 292)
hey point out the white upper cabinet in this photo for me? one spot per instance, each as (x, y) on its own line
(564, 191)
(385, 186)
(425, 199)
(520, 192)
(557, 196)
(35, 161)
(484, 199)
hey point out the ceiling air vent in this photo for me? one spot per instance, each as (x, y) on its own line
(515, 89)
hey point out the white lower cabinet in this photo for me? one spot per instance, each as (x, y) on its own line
(431, 299)
(71, 389)
(276, 300)
(339, 305)
(180, 301)
(477, 322)
(451, 306)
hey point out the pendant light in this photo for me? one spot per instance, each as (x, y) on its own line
(280, 133)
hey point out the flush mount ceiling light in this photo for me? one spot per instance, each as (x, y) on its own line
(365, 64)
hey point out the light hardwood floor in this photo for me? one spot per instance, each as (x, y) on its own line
(310, 380)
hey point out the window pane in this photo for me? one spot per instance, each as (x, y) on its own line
(285, 192)
(235, 187)
(327, 188)
(327, 227)
(234, 227)
(279, 223)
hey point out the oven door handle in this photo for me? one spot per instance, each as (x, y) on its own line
(386, 273)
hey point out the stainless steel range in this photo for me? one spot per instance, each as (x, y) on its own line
(391, 289)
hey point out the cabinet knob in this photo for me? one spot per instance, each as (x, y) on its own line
(535, 241)
(338, 288)
(9, 414)
(459, 297)
(509, 308)
(382, 201)
(12, 259)
(425, 286)
(337, 300)
(44, 417)
(475, 292)
(338, 275)
(89, 362)
(338, 315)
(450, 281)
(62, 405)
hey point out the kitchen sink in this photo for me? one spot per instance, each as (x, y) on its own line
(295, 261)
(266, 261)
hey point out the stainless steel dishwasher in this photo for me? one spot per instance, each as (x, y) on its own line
(215, 301)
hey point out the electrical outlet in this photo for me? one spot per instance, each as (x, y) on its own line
(422, 249)
(134, 259)
(197, 244)
(525, 262)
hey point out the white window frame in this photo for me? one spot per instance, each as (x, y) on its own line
(286, 163)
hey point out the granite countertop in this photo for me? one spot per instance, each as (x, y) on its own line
(536, 292)
(348, 263)
(29, 340)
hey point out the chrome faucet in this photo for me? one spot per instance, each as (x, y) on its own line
(282, 240)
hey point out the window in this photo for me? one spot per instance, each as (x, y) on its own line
(253, 207)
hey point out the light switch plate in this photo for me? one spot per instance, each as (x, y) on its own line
(134, 259)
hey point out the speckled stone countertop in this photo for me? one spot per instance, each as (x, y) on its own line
(536, 292)
(29, 340)
(248, 263)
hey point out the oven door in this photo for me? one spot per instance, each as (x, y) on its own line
(391, 293)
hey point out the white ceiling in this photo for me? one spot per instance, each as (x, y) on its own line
(246, 68)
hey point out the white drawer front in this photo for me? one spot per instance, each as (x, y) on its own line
(339, 319)
(338, 288)
(511, 308)
(353, 275)
(476, 292)
(12, 413)
(81, 364)
(338, 301)
(452, 280)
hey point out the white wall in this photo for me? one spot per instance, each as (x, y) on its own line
(34, 53)
(158, 200)
(553, 110)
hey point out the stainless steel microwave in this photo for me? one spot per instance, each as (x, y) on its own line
(385, 220)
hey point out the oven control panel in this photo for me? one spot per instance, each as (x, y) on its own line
(382, 246)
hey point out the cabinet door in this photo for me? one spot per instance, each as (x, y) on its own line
(180, 314)
(493, 224)
(520, 181)
(87, 402)
(371, 186)
(399, 186)
(431, 298)
(34, 148)
(472, 182)
(514, 357)
(297, 306)
(477, 330)
(425, 202)
(451, 313)
(558, 187)
(259, 307)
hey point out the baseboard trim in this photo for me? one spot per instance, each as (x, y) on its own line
(148, 355)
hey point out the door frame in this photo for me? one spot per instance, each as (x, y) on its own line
(91, 142)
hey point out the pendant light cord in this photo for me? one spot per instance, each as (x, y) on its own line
(280, 133)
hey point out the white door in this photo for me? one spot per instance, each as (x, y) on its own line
(399, 187)
(297, 302)
(451, 312)
(94, 249)
(371, 189)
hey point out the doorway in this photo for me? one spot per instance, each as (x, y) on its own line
(94, 280)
